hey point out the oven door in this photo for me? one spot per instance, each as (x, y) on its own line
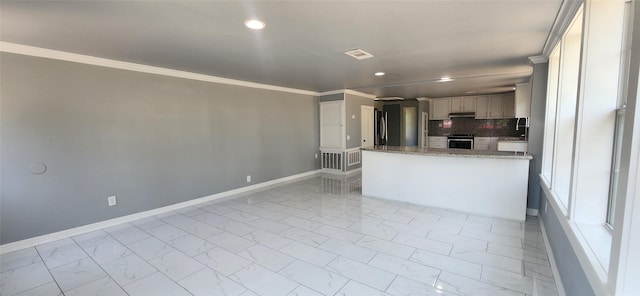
(460, 143)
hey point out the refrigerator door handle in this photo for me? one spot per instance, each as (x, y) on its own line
(383, 128)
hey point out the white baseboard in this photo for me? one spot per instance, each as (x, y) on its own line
(552, 260)
(47, 238)
(532, 212)
(341, 173)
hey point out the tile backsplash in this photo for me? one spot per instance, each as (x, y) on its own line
(478, 127)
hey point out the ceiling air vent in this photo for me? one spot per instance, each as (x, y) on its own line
(359, 54)
(389, 98)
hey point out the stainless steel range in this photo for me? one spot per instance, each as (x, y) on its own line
(460, 141)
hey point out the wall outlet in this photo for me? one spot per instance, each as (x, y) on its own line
(111, 200)
(316, 155)
(248, 179)
(353, 116)
(348, 137)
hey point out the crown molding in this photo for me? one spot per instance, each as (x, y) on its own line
(331, 92)
(567, 12)
(537, 60)
(360, 94)
(421, 99)
(347, 91)
(96, 61)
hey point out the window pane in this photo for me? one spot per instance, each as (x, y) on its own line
(566, 109)
(550, 124)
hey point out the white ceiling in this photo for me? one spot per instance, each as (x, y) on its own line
(482, 44)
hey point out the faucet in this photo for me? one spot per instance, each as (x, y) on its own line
(518, 122)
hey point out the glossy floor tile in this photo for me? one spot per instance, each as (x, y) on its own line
(316, 236)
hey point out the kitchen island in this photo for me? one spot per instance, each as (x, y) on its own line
(490, 183)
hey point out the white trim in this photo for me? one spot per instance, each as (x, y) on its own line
(532, 212)
(424, 99)
(346, 91)
(563, 19)
(537, 60)
(96, 61)
(552, 260)
(360, 94)
(331, 92)
(342, 173)
(43, 239)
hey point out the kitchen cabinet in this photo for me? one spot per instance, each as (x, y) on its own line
(438, 142)
(495, 106)
(509, 106)
(485, 143)
(463, 104)
(440, 109)
(482, 107)
(523, 100)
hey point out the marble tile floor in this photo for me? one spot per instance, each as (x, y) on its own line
(316, 236)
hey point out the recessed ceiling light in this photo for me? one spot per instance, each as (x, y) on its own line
(514, 88)
(255, 24)
(379, 73)
(445, 79)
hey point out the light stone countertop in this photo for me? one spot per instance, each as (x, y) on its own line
(449, 152)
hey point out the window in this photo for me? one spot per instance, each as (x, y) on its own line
(566, 109)
(550, 116)
(584, 126)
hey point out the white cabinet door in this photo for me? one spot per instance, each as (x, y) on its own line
(441, 109)
(457, 105)
(438, 142)
(332, 128)
(481, 143)
(485, 143)
(495, 106)
(463, 104)
(482, 107)
(523, 100)
(468, 104)
(509, 106)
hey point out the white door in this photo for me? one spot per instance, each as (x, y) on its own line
(332, 124)
(425, 129)
(366, 126)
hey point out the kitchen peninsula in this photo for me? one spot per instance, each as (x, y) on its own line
(490, 183)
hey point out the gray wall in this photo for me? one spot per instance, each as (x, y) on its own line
(151, 140)
(573, 278)
(536, 131)
(353, 104)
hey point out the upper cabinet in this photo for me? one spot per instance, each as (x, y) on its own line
(495, 106)
(482, 107)
(523, 100)
(508, 106)
(485, 107)
(440, 109)
(463, 104)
